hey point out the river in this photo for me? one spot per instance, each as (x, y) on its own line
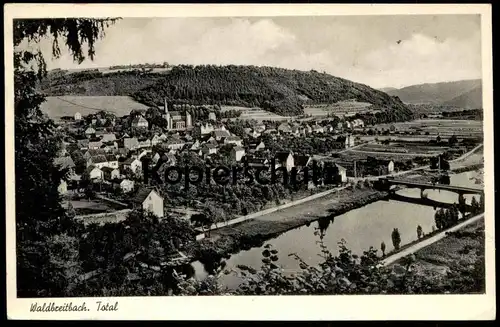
(360, 228)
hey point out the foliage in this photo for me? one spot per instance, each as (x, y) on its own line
(279, 90)
(39, 214)
(396, 238)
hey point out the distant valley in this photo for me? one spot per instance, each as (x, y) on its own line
(465, 94)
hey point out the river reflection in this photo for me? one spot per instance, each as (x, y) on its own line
(361, 228)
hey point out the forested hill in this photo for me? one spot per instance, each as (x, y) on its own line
(279, 90)
(282, 91)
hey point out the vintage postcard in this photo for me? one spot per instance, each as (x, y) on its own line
(249, 162)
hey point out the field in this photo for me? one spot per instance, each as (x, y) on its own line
(254, 113)
(464, 250)
(342, 108)
(58, 106)
(443, 127)
(84, 207)
(352, 155)
(403, 148)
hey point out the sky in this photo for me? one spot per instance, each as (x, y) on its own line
(380, 51)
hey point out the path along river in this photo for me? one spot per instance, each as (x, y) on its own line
(360, 228)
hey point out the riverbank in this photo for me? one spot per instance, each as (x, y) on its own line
(254, 233)
(429, 239)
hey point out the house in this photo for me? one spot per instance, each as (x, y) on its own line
(301, 161)
(94, 145)
(174, 143)
(89, 132)
(93, 152)
(342, 173)
(358, 123)
(108, 137)
(295, 130)
(132, 164)
(256, 146)
(349, 141)
(109, 146)
(318, 129)
(63, 187)
(156, 140)
(340, 126)
(260, 128)
(101, 161)
(163, 137)
(139, 122)
(149, 200)
(307, 129)
(143, 153)
(237, 153)
(253, 161)
(284, 159)
(120, 152)
(144, 143)
(208, 149)
(94, 172)
(126, 185)
(348, 125)
(196, 146)
(110, 173)
(65, 163)
(284, 128)
(252, 132)
(130, 143)
(212, 116)
(220, 134)
(390, 167)
(83, 144)
(78, 116)
(233, 140)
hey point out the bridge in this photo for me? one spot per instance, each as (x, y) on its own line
(460, 190)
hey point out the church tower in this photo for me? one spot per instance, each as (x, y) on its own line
(188, 120)
(167, 114)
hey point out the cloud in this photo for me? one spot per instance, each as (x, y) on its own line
(343, 49)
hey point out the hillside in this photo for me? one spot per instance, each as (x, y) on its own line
(472, 99)
(435, 93)
(278, 90)
(97, 83)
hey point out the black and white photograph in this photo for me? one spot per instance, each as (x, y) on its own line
(175, 156)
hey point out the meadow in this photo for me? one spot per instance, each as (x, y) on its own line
(254, 113)
(444, 127)
(58, 106)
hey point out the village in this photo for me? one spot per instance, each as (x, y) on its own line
(104, 153)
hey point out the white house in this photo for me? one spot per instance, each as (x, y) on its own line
(110, 173)
(237, 153)
(149, 200)
(127, 185)
(78, 116)
(94, 173)
(208, 149)
(233, 140)
(108, 137)
(130, 143)
(94, 145)
(212, 116)
(89, 131)
(390, 167)
(134, 164)
(139, 122)
(284, 159)
(63, 187)
(156, 139)
(101, 161)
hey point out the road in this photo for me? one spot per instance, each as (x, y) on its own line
(422, 244)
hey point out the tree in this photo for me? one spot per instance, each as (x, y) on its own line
(39, 214)
(419, 231)
(396, 238)
(474, 206)
(453, 140)
(382, 247)
(462, 205)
